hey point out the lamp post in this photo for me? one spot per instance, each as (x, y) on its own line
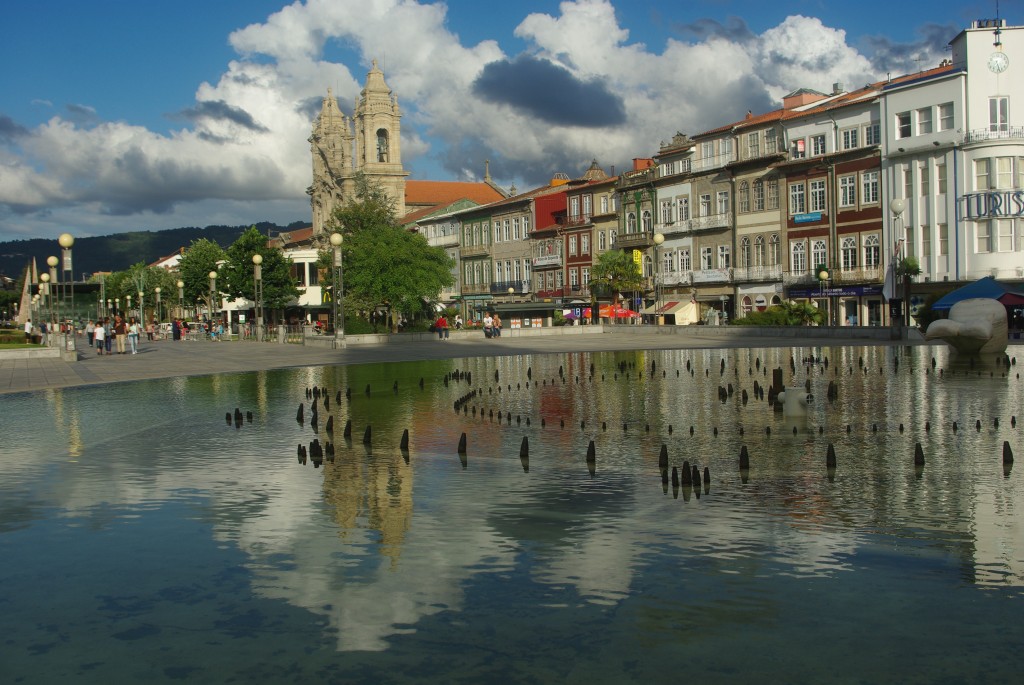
(724, 299)
(66, 240)
(142, 308)
(181, 298)
(822, 276)
(52, 262)
(257, 277)
(339, 285)
(213, 292)
(128, 304)
(896, 206)
(110, 305)
(511, 292)
(117, 305)
(159, 318)
(659, 238)
(44, 310)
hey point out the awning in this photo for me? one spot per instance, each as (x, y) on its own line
(986, 287)
(666, 307)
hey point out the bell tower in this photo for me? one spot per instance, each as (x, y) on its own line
(331, 146)
(378, 137)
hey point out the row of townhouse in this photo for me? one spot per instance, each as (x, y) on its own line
(812, 201)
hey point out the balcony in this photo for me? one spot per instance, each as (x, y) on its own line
(751, 274)
(476, 289)
(981, 135)
(637, 177)
(640, 240)
(705, 223)
(868, 274)
(676, 278)
(799, 278)
(710, 163)
(712, 276)
(518, 287)
(473, 250)
(576, 221)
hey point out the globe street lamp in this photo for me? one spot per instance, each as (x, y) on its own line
(339, 285)
(511, 291)
(822, 276)
(896, 206)
(257, 277)
(117, 305)
(110, 305)
(44, 290)
(66, 240)
(52, 262)
(213, 292)
(659, 238)
(181, 298)
(142, 308)
(159, 318)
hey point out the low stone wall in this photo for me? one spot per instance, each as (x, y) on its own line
(33, 353)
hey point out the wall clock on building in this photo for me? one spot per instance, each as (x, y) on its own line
(998, 62)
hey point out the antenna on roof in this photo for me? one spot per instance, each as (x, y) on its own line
(999, 29)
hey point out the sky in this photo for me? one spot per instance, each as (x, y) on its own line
(119, 115)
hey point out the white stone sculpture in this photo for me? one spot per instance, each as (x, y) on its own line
(794, 402)
(975, 326)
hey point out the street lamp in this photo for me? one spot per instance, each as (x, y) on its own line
(52, 262)
(257, 277)
(44, 290)
(142, 308)
(159, 318)
(724, 299)
(511, 292)
(822, 276)
(117, 305)
(66, 240)
(110, 304)
(181, 298)
(213, 292)
(128, 305)
(896, 206)
(659, 238)
(339, 286)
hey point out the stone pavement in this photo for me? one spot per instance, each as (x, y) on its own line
(167, 359)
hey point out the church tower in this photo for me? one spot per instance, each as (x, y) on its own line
(331, 145)
(378, 137)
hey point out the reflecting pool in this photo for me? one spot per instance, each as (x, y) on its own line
(144, 537)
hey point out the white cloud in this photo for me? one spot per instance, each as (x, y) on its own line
(243, 140)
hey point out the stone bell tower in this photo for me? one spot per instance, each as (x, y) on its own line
(331, 145)
(378, 133)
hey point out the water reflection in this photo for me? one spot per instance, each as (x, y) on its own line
(382, 550)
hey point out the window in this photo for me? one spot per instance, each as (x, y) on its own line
(999, 114)
(574, 206)
(771, 144)
(668, 262)
(773, 194)
(798, 149)
(1004, 235)
(382, 145)
(819, 252)
(572, 245)
(922, 171)
(602, 243)
(585, 275)
(707, 149)
(759, 251)
(943, 240)
(684, 208)
(908, 182)
(724, 257)
(798, 257)
(584, 244)
(946, 116)
(872, 134)
(926, 247)
(705, 205)
(983, 236)
(604, 204)
(666, 212)
(758, 195)
(849, 138)
(646, 222)
(773, 250)
(924, 120)
(588, 205)
(796, 199)
(631, 223)
(1004, 172)
(705, 258)
(526, 227)
(744, 197)
(869, 187)
(848, 251)
(818, 195)
(754, 144)
(909, 244)
(515, 228)
(725, 147)
(981, 174)
(903, 129)
(940, 178)
(574, 278)
(745, 252)
(612, 234)
(872, 252)
(818, 145)
(518, 271)
(723, 201)
(684, 260)
(847, 191)
(505, 226)
(497, 231)
(485, 234)
(467, 241)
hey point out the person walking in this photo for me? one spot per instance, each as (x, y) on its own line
(100, 335)
(108, 335)
(28, 331)
(120, 333)
(133, 335)
(90, 328)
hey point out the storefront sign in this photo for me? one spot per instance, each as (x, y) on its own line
(841, 291)
(806, 217)
(1004, 203)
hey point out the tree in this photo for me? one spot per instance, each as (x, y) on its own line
(199, 260)
(615, 272)
(907, 268)
(237, 275)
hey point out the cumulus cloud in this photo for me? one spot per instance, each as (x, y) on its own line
(887, 55)
(579, 89)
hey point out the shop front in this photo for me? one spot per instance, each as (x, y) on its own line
(854, 305)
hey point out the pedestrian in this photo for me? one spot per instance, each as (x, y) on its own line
(441, 325)
(133, 335)
(42, 331)
(458, 322)
(488, 323)
(99, 335)
(90, 328)
(120, 333)
(108, 334)
(28, 331)
(496, 326)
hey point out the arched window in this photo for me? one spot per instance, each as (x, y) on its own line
(759, 251)
(773, 250)
(744, 197)
(759, 195)
(798, 254)
(646, 221)
(746, 304)
(382, 145)
(819, 253)
(631, 223)
(745, 252)
(849, 253)
(872, 252)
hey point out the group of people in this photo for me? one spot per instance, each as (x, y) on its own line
(492, 325)
(117, 335)
(442, 327)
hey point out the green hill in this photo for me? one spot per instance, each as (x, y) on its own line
(121, 250)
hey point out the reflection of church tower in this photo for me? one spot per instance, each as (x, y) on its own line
(378, 129)
(377, 147)
(331, 145)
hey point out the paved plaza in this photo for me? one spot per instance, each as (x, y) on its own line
(167, 359)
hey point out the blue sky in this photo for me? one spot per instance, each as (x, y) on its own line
(123, 115)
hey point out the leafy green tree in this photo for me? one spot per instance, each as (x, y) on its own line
(788, 313)
(237, 275)
(199, 260)
(613, 273)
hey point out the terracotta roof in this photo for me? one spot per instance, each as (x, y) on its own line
(297, 236)
(434, 193)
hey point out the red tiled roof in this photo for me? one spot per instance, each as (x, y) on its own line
(434, 193)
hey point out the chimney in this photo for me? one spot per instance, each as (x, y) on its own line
(837, 87)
